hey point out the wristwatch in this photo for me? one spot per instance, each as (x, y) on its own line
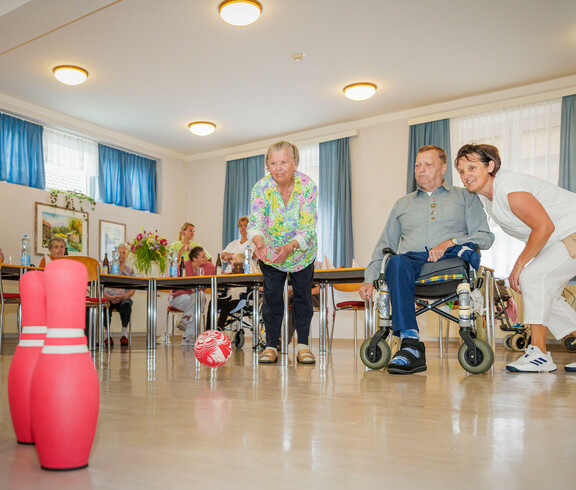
(454, 241)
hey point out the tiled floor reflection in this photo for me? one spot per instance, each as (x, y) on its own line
(168, 422)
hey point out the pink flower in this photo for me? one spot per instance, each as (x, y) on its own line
(139, 237)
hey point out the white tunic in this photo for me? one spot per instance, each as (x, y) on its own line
(559, 203)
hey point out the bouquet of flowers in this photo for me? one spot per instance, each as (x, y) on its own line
(149, 247)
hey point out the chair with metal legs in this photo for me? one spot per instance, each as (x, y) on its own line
(8, 299)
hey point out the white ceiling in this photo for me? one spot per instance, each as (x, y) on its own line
(157, 65)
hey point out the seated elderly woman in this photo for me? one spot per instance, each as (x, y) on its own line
(57, 248)
(120, 298)
(237, 246)
(185, 299)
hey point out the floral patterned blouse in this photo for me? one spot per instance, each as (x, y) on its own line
(279, 224)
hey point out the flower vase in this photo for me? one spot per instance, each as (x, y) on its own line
(153, 272)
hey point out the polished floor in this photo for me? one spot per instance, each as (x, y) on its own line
(168, 422)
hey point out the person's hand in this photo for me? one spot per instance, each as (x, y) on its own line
(282, 253)
(514, 278)
(438, 251)
(365, 290)
(260, 251)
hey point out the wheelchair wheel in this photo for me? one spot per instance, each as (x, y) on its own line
(238, 340)
(518, 342)
(381, 356)
(506, 341)
(484, 357)
(569, 343)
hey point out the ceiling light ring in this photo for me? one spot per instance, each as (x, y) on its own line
(240, 13)
(360, 90)
(70, 74)
(202, 128)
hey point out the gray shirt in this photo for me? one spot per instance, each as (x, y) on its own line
(418, 222)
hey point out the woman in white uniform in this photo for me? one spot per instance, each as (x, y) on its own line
(543, 216)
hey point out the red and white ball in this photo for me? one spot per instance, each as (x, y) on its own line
(213, 348)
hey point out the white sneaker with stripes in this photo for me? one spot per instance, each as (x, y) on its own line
(534, 361)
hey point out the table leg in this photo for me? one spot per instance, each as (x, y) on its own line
(255, 317)
(214, 301)
(284, 330)
(152, 304)
(322, 319)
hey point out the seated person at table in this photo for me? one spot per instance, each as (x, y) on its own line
(185, 299)
(120, 298)
(57, 248)
(185, 243)
(236, 246)
(422, 226)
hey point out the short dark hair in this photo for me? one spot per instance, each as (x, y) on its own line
(441, 152)
(195, 252)
(56, 239)
(483, 153)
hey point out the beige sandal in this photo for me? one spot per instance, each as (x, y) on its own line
(268, 356)
(305, 356)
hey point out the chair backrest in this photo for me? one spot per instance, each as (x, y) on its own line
(92, 265)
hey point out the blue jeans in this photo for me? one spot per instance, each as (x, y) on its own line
(402, 271)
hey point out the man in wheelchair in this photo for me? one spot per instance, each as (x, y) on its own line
(422, 226)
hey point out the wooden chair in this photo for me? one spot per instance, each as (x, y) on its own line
(347, 304)
(95, 301)
(7, 299)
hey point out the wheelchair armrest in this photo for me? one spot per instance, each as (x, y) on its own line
(387, 252)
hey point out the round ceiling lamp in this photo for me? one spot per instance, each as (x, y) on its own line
(240, 12)
(202, 128)
(70, 75)
(360, 90)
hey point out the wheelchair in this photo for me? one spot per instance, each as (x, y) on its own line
(240, 319)
(441, 282)
(521, 336)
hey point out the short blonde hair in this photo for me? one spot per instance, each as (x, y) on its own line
(242, 219)
(284, 145)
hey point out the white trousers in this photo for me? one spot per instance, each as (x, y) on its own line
(542, 282)
(186, 302)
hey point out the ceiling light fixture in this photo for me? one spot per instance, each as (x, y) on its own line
(240, 12)
(360, 90)
(202, 128)
(70, 75)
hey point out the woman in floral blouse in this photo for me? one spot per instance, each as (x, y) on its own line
(282, 228)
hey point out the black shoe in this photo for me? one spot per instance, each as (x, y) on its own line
(415, 364)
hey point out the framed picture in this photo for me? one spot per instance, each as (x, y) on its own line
(111, 235)
(53, 221)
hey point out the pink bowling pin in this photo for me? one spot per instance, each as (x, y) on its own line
(33, 300)
(65, 392)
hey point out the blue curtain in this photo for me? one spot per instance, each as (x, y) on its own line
(241, 175)
(126, 179)
(21, 152)
(568, 144)
(430, 133)
(335, 203)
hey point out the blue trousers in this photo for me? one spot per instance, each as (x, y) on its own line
(402, 271)
(273, 307)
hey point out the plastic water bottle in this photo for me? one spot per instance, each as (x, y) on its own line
(25, 247)
(173, 264)
(115, 268)
(247, 261)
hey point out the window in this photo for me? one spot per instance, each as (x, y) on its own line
(70, 162)
(528, 138)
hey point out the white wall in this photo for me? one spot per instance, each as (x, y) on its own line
(18, 202)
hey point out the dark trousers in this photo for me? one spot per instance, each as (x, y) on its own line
(291, 327)
(273, 302)
(225, 306)
(124, 307)
(401, 274)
